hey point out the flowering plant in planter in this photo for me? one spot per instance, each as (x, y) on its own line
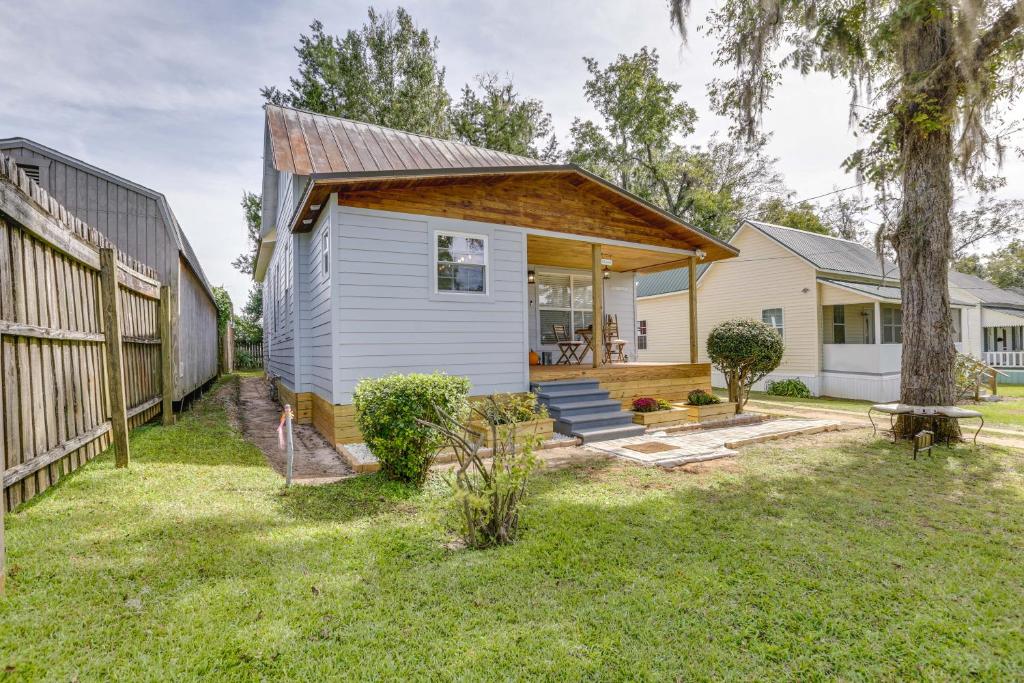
(645, 404)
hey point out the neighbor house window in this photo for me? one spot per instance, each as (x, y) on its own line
(838, 324)
(773, 316)
(562, 300)
(892, 325)
(958, 329)
(461, 262)
(641, 335)
(326, 254)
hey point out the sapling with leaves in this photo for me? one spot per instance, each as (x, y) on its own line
(488, 487)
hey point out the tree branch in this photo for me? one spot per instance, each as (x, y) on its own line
(999, 32)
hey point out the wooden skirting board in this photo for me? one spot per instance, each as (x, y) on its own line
(301, 403)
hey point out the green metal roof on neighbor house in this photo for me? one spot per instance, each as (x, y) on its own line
(666, 281)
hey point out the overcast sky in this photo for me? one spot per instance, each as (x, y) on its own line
(167, 94)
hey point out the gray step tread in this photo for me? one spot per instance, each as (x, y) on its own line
(583, 407)
(541, 386)
(609, 433)
(598, 394)
(595, 421)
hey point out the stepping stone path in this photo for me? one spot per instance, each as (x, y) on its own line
(672, 450)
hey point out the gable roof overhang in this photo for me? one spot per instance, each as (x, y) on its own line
(652, 228)
(876, 292)
(177, 234)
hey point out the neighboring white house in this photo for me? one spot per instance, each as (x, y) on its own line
(383, 251)
(836, 304)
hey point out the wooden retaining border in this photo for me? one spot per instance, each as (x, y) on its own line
(85, 341)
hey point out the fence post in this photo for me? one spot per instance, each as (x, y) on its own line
(115, 361)
(166, 357)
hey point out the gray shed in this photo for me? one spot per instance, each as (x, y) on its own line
(140, 222)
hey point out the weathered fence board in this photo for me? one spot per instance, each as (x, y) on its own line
(55, 398)
(248, 356)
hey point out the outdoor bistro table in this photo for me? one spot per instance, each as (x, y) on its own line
(935, 413)
(587, 333)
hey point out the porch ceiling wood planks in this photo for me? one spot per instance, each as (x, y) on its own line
(552, 251)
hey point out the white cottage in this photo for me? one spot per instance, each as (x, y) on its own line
(384, 251)
(836, 305)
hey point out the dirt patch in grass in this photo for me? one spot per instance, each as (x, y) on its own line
(248, 404)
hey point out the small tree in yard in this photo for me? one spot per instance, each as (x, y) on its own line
(488, 492)
(942, 78)
(745, 351)
(391, 413)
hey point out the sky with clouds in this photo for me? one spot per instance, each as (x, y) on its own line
(167, 94)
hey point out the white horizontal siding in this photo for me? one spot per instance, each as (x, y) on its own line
(387, 318)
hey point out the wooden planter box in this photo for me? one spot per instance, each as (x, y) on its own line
(661, 418)
(543, 427)
(715, 411)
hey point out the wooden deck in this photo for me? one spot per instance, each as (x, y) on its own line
(627, 381)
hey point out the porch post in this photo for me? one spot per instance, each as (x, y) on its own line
(878, 323)
(693, 309)
(597, 299)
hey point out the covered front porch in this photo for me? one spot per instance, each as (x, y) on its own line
(1003, 338)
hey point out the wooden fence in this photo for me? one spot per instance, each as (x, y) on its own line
(82, 359)
(251, 353)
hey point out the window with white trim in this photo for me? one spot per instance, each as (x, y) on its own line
(325, 243)
(892, 324)
(839, 324)
(958, 327)
(641, 335)
(773, 317)
(563, 300)
(461, 263)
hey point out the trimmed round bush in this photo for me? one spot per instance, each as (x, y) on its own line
(792, 387)
(745, 351)
(388, 410)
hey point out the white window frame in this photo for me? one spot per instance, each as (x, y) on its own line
(781, 328)
(641, 335)
(571, 309)
(896, 312)
(325, 245)
(838, 324)
(441, 232)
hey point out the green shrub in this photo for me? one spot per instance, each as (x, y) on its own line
(745, 351)
(389, 410)
(699, 397)
(512, 408)
(246, 361)
(793, 387)
(663, 404)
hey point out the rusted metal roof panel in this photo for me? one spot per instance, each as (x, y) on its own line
(305, 143)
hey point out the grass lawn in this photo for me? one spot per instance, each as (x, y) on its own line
(1008, 414)
(835, 556)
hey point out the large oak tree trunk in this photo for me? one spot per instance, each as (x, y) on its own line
(923, 234)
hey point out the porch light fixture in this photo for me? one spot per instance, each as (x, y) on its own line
(531, 276)
(314, 207)
(307, 221)
(607, 273)
(700, 254)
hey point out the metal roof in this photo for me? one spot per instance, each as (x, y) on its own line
(884, 292)
(305, 143)
(831, 253)
(988, 293)
(667, 281)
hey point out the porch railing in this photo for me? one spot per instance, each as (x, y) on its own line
(1004, 359)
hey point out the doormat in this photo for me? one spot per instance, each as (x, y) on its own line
(651, 447)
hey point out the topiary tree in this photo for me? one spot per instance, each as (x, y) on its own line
(745, 351)
(391, 413)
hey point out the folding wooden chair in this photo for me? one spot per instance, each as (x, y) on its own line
(570, 348)
(615, 348)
